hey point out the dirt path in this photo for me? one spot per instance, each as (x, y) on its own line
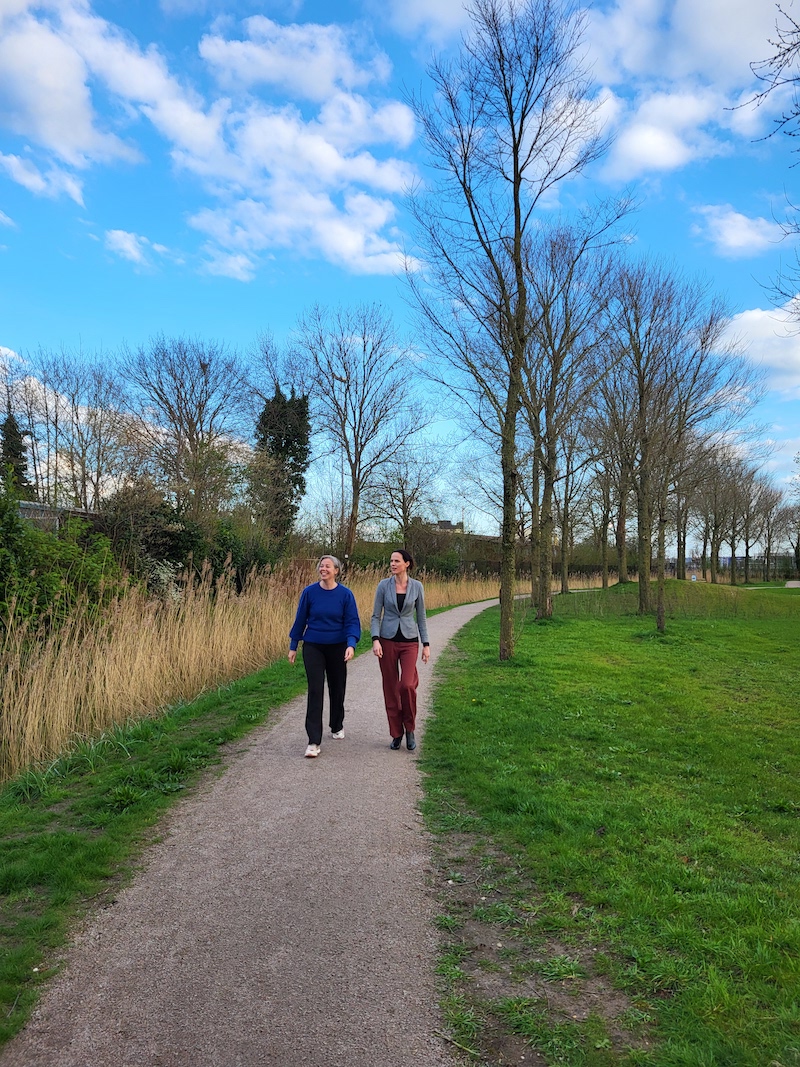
(282, 920)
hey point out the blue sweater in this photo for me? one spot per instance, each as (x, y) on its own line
(326, 617)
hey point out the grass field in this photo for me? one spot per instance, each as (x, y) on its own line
(617, 817)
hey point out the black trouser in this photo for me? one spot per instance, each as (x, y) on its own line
(321, 661)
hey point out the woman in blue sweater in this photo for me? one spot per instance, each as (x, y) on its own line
(328, 625)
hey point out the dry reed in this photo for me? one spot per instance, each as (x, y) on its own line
(144, 654)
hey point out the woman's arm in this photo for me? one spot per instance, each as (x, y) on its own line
(377, 612)
(422, 623)
(352, 623)
(300, 621)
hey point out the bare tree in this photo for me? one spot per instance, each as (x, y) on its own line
(686, 380)
(71, 407)
(188, 404)
(569, 270)
(769, 514)
(405, 489)
(362, 404)
(779, 72)
(511, 117)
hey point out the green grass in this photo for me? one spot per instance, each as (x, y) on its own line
(649, 788)
(70, 833)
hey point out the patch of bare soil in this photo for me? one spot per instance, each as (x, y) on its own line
(541, 993)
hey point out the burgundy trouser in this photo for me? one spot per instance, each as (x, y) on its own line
(400, 681)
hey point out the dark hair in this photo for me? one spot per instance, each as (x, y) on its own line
(407, 557)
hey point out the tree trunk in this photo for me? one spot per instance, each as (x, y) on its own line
(352, 525)
(508, 538)
(621, 539)
(565, 550)
(682, 537)
(604, 547)
(536, 535)
(644, 542)
(545, 607)
(662, 569)
(715, 545)
(704, 556)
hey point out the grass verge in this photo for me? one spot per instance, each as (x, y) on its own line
(617, 818)
(71, 833)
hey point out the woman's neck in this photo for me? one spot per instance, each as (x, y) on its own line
(328, 583)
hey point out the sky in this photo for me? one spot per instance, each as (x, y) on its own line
(212, 169)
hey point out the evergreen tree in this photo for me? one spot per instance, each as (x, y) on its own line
(283, 454)
(14, 458)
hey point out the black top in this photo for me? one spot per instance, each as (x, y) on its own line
(401, 599)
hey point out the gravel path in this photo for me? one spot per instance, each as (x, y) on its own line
(283, 920)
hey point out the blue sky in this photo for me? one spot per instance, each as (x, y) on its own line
(212, 169)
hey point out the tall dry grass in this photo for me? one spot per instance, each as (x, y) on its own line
(144, 654)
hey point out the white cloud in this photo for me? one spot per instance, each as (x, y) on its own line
(663, 132)
(773, 342)
(438, 20)
(7, 355)
(307, 223)
(44, 95)
(52, 184)
(735, 235)
(683, 69)
(657, 40)
(309, 61)
(226, 265)
(142, 78)
(318, 177)
(784, 449)
(132, 246)
(5, 220)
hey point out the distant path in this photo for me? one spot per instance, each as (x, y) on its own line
(793, 585)
(283, 921)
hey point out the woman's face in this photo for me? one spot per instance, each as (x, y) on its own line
(326, 569)
(398, 565)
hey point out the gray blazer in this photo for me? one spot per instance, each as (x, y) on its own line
(386, 617)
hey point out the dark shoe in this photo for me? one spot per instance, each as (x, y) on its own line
(396, 743)
(410, 740)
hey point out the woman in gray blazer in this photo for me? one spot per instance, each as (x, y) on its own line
(397, 626)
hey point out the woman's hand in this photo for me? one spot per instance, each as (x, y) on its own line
(377, 648)
(349, 652)
(292, 655)
(426, 653)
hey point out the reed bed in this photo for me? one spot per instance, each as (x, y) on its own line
(143, 654)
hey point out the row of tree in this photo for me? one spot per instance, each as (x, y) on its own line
(584, 381)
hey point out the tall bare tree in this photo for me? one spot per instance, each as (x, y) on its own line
(359, 380)
(510, 118)
(189, 403)
(569, 271)
(687, 379)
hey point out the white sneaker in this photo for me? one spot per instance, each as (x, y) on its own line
(339, 734)
(312, 751)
